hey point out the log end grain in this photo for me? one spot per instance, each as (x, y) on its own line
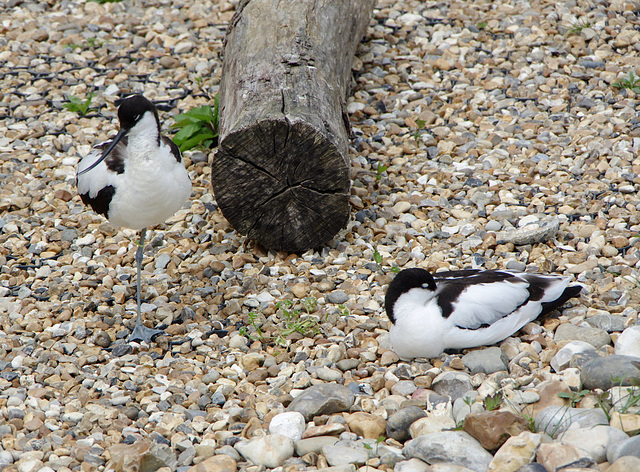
(283, 184)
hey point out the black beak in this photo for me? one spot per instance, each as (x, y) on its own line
(115, 141)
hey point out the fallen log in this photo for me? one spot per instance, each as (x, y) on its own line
(281, 172)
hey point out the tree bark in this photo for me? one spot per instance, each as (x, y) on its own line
(281, 173)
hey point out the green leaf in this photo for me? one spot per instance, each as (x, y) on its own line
(377, 257)
(188, 131)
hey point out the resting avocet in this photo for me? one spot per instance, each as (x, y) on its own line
(466, 308)
(136, 180)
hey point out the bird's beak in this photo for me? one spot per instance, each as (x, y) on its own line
(113, 144)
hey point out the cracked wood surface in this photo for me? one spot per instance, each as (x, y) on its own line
(281, 173)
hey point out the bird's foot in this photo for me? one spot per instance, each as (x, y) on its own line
(142, 333)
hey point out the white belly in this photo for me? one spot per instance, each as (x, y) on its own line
(147, 196)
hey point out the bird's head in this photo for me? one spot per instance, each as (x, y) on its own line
(403, 283)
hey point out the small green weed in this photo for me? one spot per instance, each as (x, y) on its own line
(574, 397)
(291, 321)
(343, 310)
(377, 258)
(105, 1)
(78, 105)
(198, 127)
(482, 25)
(492, 402)
(420, 123)
(632, 83)
(380, 170)
(579, 25)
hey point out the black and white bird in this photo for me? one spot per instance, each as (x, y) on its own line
(466, 308)
(135, 180)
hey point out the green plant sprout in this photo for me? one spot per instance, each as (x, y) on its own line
(482, 25)
(579, 25)
(78, 105)
(292, 321)
(573, 397)
(198, 127)
(380, 170)
(420, 123)
(492, 402)
(377, 258)
(632, 83)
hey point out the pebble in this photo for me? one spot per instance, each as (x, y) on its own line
(455, 447)
(628, 343)
(486, 361)
(566, 354)
(323, 399)
(594, 336)
(290, 424)
(398, 423)
(555, 420)
(271, 450)
(595, 440)
(606, 372)
(517, 451)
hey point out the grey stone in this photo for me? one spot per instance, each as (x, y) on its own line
(555, 420)
(337, 297)
(594, 336)
(452, 384)
(607, 322)
(563, 357)
(339, 454)
(628, 447)
(454, 447)
(398, 423)
(305, 446)
(595, 440)
(323, 399)
(606, 372)
(488, 361)
(538, 232)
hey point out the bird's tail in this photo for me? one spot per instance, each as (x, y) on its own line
(568, 293)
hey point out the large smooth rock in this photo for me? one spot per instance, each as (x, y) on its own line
(487, 361)
(493, 428)
(271, 450)
(453, 447)
(516, 452)
(594, 440)
(628, 447)
(607, 372)
(555, 420)
(323, 399)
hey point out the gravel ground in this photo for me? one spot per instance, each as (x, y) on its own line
(486, 134)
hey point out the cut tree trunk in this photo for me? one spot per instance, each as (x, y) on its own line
(281, 173)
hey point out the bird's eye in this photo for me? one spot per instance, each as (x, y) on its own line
(425, 285)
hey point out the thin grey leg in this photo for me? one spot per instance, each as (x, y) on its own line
(140, 331)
